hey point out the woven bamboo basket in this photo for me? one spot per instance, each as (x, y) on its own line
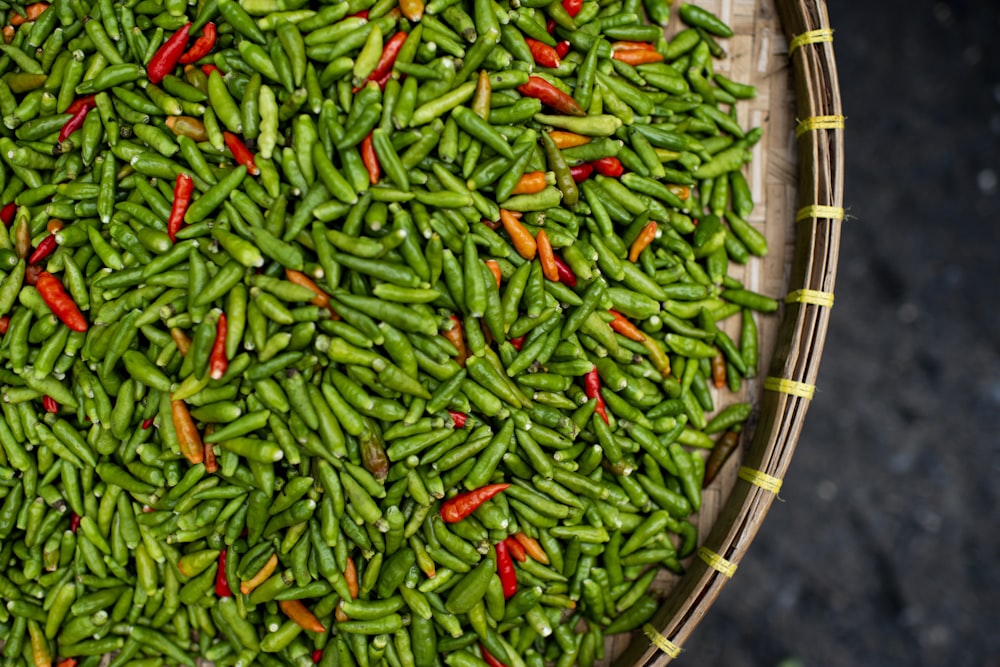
(784, 47)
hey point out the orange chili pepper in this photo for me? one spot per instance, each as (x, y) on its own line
(8, 34)
(530, 183)
(564, 139)
(657, 356)
(181, 340)
(625, 45)
(68, 662)
(719, 371)
(683, 192)
(551, 96)
(544, 55)
(188, 127)
(412, 9)
(458, 507)
(626, 328)
(532, 547)
(524, 242)
(642, 241)
(515, 549)
(370, 159)
(495, 270)
(31, 13)
(60, 302)
(202, 46)
(54, 225)
(247, 587)
(456, 336)
(637, 56)
(547, 257)
(351, 577)
(297, 611)
(188, 438)
(322, 299)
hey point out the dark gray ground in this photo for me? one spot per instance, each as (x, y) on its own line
(884, 551)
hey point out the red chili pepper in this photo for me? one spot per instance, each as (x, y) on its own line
(80, 102)
(202, 46)
(550, 26)
(363, 14)
(572, 7)
(147, 423)
(74, 521)
(457, 508)
(32, 272)
(208, 68)
(74, 123)
(516, 550)
(183, 188)
(221, 583)
(217, 361)
(581, 172)
(370, 159)
(592, 388)
(544, 55)
(7, 214)
(59, 302)
(566, 275)
(563, 47)
(385, 79)
(4, 324)
(459, 418)
(505, 570)
(45, 248)
(518, 342)
(50, 404)
(317, 655)
(167, 56)
(389, 52)
(240, 152)
(609, 166)
(489, 658)
(551, 96)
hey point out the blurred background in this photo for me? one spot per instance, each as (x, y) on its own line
(883, 550)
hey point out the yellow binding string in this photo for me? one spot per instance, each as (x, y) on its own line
(810, 296)
(819, 211)
(716, 562)
(760, 478)
(791, 387)
(819, 123)
(659, 641)
(811, 37)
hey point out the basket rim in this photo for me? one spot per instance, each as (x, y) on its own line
(791, 379)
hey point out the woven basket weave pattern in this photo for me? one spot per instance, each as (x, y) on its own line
(796, 177)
